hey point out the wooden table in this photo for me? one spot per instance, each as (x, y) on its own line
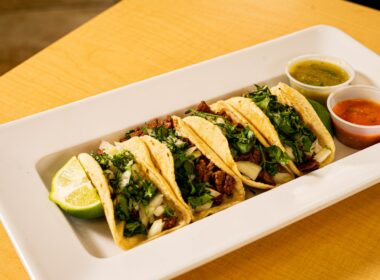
(137, 39)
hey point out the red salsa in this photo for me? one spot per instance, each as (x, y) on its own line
(356, 141)
(359, 111)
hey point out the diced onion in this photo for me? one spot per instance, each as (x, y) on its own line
(143, 217)
(249, 169)
(193, 151)
(125, 177)
(104, 145)
(119, 146)
(213, 192)
(289, 152)
(159, 211)
(135, 170)
(154, 203)
(282, 178)
(203, 207)
(220, 121)
(322, 155)
(178, 142)
(190, 150)
(315, 147)
(136, 206)
(197, 154)
(108, 148)
(156, 228)
(109, 174)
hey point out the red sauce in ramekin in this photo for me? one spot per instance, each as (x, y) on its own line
(356, 141)
(361, 112)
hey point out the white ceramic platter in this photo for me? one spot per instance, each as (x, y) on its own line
(55, 246)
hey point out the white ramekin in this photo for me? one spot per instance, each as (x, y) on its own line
(319, 93)
(354, 135)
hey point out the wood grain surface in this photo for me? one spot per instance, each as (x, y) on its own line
(137, 39)
(31, 25)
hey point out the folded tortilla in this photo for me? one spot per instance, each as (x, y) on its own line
(142, 158)
(259, 123)
(164, 162)
(285, 95)
(218, 143)
(290, 96)
(228, 107)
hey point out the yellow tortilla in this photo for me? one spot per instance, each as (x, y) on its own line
(101, 183)
(259, 122)
(292, 97)
(218, 147)
(164, 162)
(238, 194)
(228, 108)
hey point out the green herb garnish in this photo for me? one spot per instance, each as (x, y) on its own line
(196, 201)
(168, 212)
(193, 191)
(133, 228)
(129, 194)
(242, 140)
(290, 127)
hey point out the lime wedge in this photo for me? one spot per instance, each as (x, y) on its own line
(74, 193)
(323, 114)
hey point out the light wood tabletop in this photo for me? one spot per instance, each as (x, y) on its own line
(137, 39)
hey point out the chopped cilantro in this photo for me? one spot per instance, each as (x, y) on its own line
(122, 210)
(135, 192)
(242, 140)
(103, 159)
(187, 179)
(184, 165)
(133, 228)
(290, 127)
(121, 160)
(196, 201)
(168, 212)
(276, 153)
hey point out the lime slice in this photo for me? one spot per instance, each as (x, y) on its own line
(74, 193)
(323, 114)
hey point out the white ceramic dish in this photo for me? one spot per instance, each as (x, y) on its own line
(55, 246)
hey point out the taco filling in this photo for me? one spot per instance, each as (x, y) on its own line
(300, 143)
(137, 201)
(259, 163)
(202, 184)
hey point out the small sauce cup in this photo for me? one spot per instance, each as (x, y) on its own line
(354, 135)
(319, 93)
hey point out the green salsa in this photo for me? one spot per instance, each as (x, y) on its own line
(318, 73)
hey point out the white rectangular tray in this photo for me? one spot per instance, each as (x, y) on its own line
(55, 246)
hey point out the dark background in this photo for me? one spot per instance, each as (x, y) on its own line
(375, 4)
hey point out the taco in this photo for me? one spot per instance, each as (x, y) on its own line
(202, 182)
(240, 145)
(285, 118)
(138, 203)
